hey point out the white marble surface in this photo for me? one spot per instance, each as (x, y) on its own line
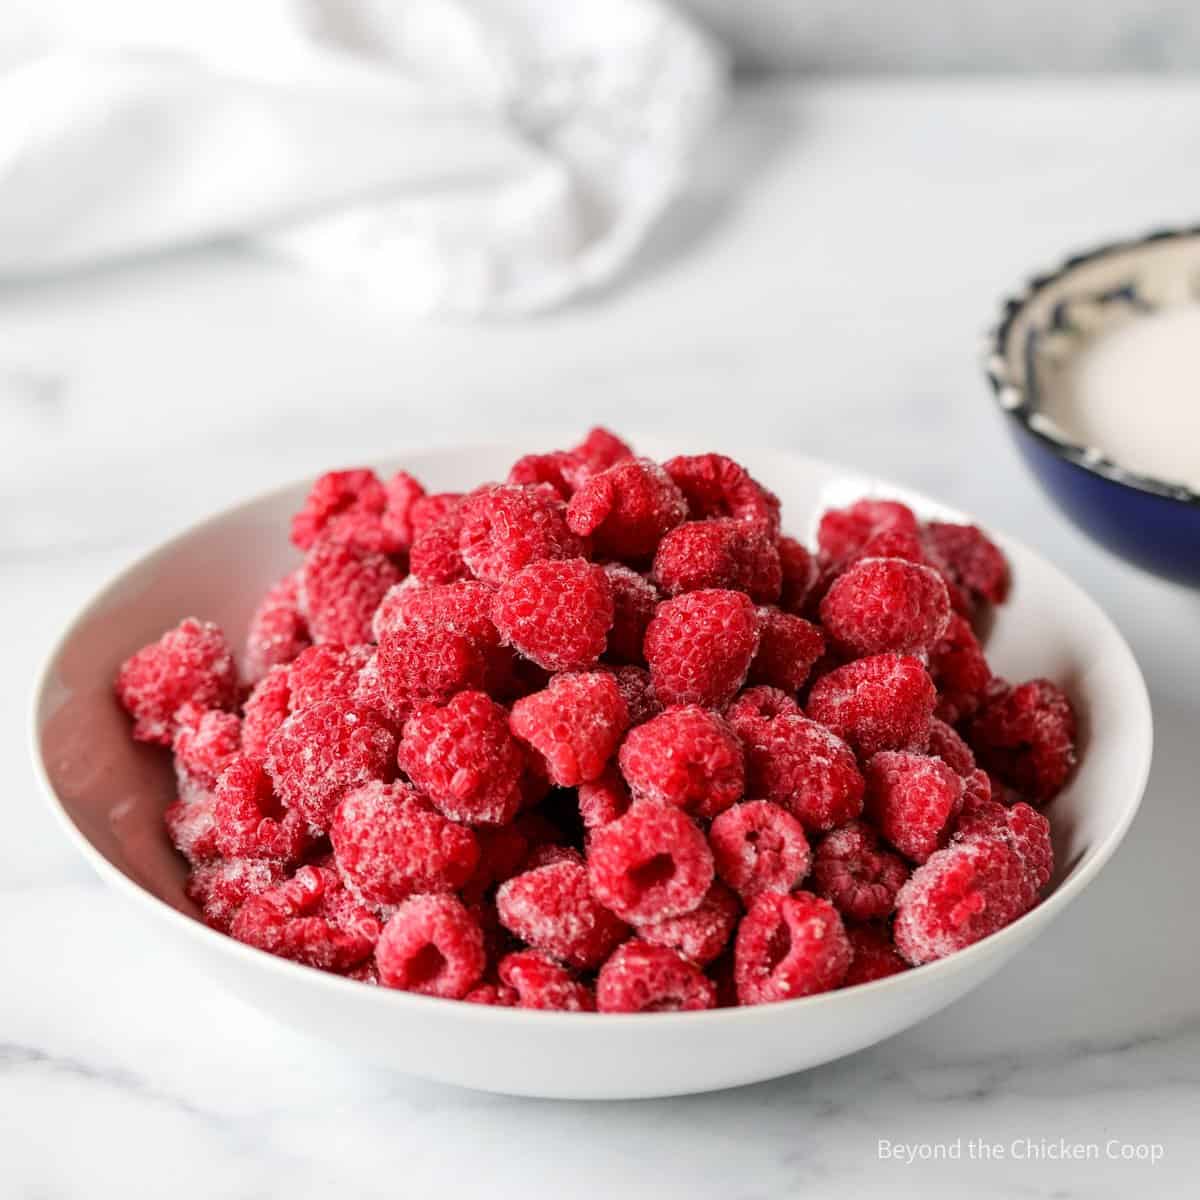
(825, 290)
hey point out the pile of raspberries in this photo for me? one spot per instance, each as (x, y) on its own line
(602, 738)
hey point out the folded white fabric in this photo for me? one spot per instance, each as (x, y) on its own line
(453, 156)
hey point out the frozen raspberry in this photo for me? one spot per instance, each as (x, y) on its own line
(799, 571)
(789, 946)
(431, 945)
(551, 908)
(326, 672)
(699, 647)
(402, 492)
(575, 725)
(913, 800)
(190, 663)
(716, 486)
(310, 918)
(640, 977)
(788, 647)
(650, 864)
(879, 703)
(389, 844)
(463, 757)
(603, 799)
(556, 613)
(961, 894)
(843, 532)
(266, 708)
(549, 470)
(342, 506)
(191, 827)
(435, 556)
(638, 693)
(800, 765)
(597, 452)
(759, 847)
(970, 560)
(1021, 827)
(495, 995)
(854, 872)
(321, 752)
(249, 820)
(426, 665)
(886, 605)
(945, 744)
(540, 982)
(464, 607)
(206, 741)
(634, 601)
(341, 587)
(1025, 735)
(626, 509)
(720, 553)
(959, 671)
(506, 528)
(688, 757)
(701, 935)
(760, 703)
(278, 631)
(221, 888)
(426, 511)
(875, 956)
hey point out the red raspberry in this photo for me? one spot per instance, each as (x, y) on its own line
(720, 553)
(431, 945)
(604, 799)
(788, 647)
(626, 509)
(464, 607)
(248, 819)
(959, 671)
(341, 587)
(326, 672)
(463, 757)
(879, 703)
(800, 765)
(426, 511)
(506, 528)
(435, 556)
(597, 452)
(551, 908)
(324, 751)
(495, 995)
(548, 470)
(1021, 827)
(716, 486)
(190, 663)
(575, 725)
(556, 613)
(644, 978)
(650, 864)
(945, 744)
(843, 532)
(789, 946)
(221, 888)
(191, 827)
(1025, 735)
(799, 570)
(700, 645)
(540, 982)
(960, 895)
(403, 492)
(389, 844)
(206, 741)
(701, 935)
(759, 847)
(970, 559)
(886, 605)
(310, 918)
(856, 874)
(913, 800)
(638, 693)
(426, 665)
(875, 956)
(688, 757)
(760, 704)
(278, 631)
(266, 708)
(634, 601)
(342, 506)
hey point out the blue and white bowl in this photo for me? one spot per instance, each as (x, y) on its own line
(1153, 523)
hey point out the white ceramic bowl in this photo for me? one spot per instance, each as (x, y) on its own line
(109, 794)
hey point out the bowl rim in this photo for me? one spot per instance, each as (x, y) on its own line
(1011, 936)
(1015, 401)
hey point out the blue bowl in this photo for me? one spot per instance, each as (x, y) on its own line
(1150, 522)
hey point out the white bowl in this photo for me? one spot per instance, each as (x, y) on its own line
(109, 794)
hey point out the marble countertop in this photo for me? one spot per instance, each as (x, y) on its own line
(824, 288)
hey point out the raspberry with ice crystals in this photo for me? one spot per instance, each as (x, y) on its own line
(759, 847)
(431, 945)
(626, 509)
(789, 946)
(640, 977)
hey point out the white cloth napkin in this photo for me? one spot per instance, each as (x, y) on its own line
(453, 156)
